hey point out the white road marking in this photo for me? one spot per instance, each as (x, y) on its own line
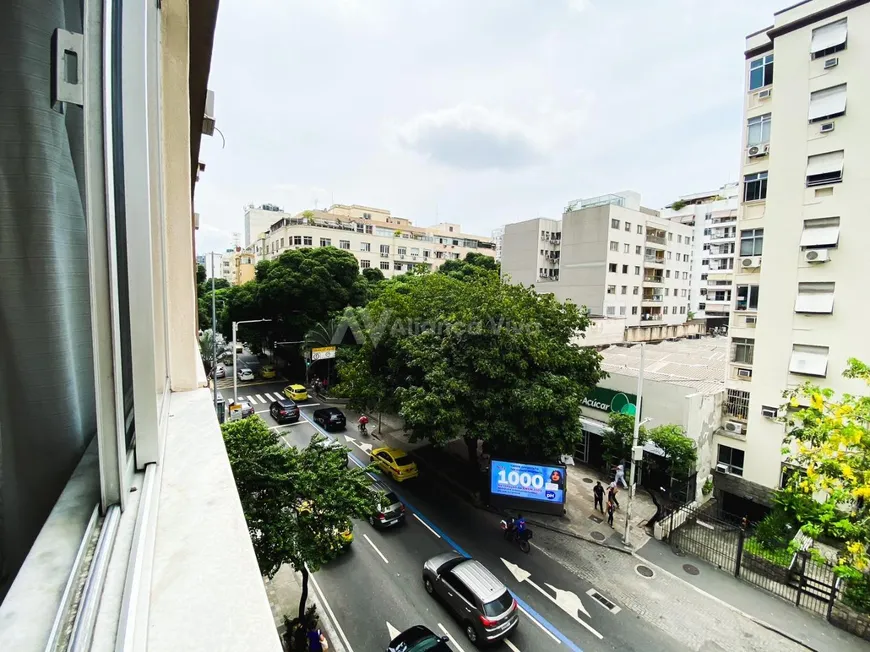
(426, 525)
(251, 400)
(308, 404)
(269, 396)
(543, 629)
(260, 398)
(330, 612)
(261, 411)
(392, 630)
(371, 543)
(511, 646)
(452, 640)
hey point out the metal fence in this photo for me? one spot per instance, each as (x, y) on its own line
(729, 544)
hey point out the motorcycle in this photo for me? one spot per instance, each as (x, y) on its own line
(522, 539)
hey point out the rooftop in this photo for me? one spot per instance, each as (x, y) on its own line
(699, 364)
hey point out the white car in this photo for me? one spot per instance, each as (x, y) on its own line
(220, 371)
(246, 374)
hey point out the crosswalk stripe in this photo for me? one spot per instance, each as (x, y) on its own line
(252, 400)
(271, 398)
(261, 399)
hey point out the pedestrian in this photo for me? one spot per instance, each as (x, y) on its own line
(598, 492)
(620, 477)
(316, 640)
(610, 513)
(612, 490)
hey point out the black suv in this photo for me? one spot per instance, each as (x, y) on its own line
(330, 418)
(390, 510)
(284, 411)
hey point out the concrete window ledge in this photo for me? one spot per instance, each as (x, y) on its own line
(206, 591)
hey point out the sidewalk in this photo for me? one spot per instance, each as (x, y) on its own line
(450, 464)
(756, 604)
(284, 591)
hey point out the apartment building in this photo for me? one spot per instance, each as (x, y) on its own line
(377, 238)
(120, 523)
(242, 266)
(713, 216)
(799, 307)
(258, 219)
(619, 259)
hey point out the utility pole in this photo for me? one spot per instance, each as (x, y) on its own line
(235, 371)
(214, 334)
(637, 424)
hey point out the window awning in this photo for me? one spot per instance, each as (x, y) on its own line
(592, 425)
(817, 298)
(825, 163)
(828, 102)
(809, 360)
(826, 234)
(829, 36)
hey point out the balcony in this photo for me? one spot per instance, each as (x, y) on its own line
(652, 300)
(650, 316)
(656, 239)
(719, 252)
(653, 279)
(722, 235)
(658, 261)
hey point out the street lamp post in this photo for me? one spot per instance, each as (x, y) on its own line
(637, 425)
(235, 371)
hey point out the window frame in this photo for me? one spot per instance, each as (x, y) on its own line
(756, 180)
(761, 121)
(753, 237)
(730, 459)
(765, 65)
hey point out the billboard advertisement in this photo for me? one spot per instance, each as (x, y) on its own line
(537, 487)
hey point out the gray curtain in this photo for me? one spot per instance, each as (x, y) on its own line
(47, 413)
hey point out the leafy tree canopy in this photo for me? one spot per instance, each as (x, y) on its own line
(465, 268)
(200, 274)
(373, 275)
(296, 290)
(474, 357)
(829, 441)
(297, 503)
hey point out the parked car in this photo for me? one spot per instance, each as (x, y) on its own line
(284, 411)
(478, 599)
(220, 371)
(390, 510)
(330, 418)
(246, 374)
(243, 408)
(395, 463)
(419, 638)
(296, 392)
(268, 371)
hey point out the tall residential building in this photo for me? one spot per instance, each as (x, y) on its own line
(799, 308)
(377, 238)
(713, 216)
(620, 260)
(215, 259)
(258, 219)
(120, 523)
(498, 239)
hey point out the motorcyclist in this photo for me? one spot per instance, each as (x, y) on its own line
(516, 527)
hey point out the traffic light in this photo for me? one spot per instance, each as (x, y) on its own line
(308, 363)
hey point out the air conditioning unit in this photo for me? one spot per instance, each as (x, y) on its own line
(744, 373)
(752, 261)
(722, 468)
(826, 127)
(383, 255)
(817, 255)
(734, 427)
(758, 150)
(831, 63)
(768, 412)
(763, 95)
(750, 321)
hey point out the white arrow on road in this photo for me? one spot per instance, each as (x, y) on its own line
(367, 448)
(567, 601)
(392, 630)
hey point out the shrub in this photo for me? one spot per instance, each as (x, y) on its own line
(776, 530)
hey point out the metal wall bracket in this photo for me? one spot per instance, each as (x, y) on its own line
(67, 68)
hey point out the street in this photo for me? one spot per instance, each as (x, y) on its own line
(375, 589)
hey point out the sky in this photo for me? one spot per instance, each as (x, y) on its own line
(477, 112)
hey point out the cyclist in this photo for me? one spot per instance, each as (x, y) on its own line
(363, 420)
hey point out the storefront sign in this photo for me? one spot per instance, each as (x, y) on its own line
(608, 400)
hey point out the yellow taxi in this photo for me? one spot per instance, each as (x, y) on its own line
(268, 371)
(395, 463)
(296, 393)
(346, 535)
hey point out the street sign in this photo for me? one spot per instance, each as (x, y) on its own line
(323, 353)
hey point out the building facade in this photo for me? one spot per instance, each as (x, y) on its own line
(798, 310)
(620, 260)
(258, 219)
(713, 217)
(375, 237)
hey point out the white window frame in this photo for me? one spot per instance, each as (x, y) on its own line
(761, 63)
(365, 246)
(732, 468)
(365, 264)
(755, 237)
(761, 126)
(385, 249)
(614, 246)
(815, 298)
(385, 265)
(761, 179)
(325, 242)
(344, 244)
(809, 360)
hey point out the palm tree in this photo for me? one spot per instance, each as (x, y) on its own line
(206, 348)
(321, 334)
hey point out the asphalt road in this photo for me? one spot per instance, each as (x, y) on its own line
(375, 588)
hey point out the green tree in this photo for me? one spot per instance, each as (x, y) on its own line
(206, 348)
(373, 275)
(472, 262)
(828, 440)
(618, 437)
(474, 357)
(681, 455)
(297, 503)
(200, 274)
